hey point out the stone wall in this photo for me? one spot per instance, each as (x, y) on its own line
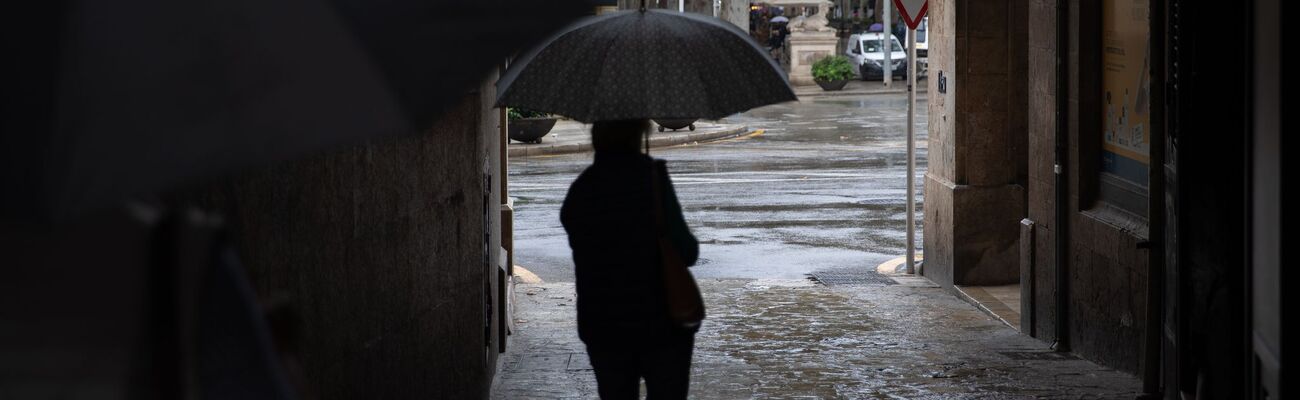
(735, 12)
(1041, 78)
(386, 254)
(991, 158)
(1105, 266)
(941, 154)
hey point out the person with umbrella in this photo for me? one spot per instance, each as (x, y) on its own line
(614, 214)
(638, 306)
(779, 33)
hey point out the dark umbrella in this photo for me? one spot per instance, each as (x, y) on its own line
(645, 64)
(111, 99)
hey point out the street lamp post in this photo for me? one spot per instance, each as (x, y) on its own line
(888, 65)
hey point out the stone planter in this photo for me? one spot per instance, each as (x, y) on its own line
(676, 124)
(832, 85)
(530, 130)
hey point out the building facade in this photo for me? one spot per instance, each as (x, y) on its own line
(1121, 164)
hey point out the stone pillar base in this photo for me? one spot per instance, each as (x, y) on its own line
(806, 48)
(972, 233)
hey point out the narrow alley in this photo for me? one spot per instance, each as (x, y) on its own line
(793, 222)
(857, 199)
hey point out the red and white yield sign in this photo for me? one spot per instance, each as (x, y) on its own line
(912, 11)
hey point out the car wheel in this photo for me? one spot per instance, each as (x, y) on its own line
(862, 72)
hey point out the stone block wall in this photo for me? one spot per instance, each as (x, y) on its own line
(1107, 303)
(974, 185)
(941, 150)
(1105, 266)
(1041, 78)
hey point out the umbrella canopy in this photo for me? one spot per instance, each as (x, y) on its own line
(780, 19)
(645, 64)
(109, 100)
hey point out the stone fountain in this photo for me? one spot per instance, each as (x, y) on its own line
(810, 39)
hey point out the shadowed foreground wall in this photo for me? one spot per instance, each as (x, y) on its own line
(381, 252)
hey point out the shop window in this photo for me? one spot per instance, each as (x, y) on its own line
(1125, 103)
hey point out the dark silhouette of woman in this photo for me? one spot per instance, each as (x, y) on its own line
(622, 315)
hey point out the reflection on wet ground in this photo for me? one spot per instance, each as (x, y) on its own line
(782, 339)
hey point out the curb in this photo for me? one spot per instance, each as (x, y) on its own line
(986, 304)
(661, 141)
(899, 87)
(897, 265)
(820, 92)
(850, 92)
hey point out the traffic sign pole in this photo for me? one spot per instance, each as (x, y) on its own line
(912, 12)
(911, 150)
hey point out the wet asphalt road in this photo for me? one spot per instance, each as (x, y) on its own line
(822, 187)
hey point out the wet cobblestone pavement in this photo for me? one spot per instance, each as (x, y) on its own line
(794, 339)
(821, 192)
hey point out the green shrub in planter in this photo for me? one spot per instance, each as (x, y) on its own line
(832, 68)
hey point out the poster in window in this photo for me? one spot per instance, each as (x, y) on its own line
(1126, 86)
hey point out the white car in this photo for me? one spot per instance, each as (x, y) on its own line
(922, 37)
(867, 52)
(922, 45)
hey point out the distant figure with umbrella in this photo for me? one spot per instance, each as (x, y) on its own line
(638, 306)
(780, 29)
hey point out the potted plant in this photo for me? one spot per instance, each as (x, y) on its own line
(528, 126)
(832, 72)
(675, 123)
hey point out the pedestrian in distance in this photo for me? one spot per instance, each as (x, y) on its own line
(615, 234)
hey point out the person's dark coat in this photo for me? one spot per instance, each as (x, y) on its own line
(610, 221)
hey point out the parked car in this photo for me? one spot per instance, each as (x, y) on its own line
(867, 51)
(922, 45)
(922, 37)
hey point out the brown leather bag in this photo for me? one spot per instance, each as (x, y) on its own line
(685, 305)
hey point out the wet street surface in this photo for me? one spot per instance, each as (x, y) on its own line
(822, 187)
(820, 190)
(788, 339)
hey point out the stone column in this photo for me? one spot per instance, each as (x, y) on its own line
(736, 12)
(973, 198)
(696, 6)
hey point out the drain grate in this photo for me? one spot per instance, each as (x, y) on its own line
(837, 277)
(1037, 355)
